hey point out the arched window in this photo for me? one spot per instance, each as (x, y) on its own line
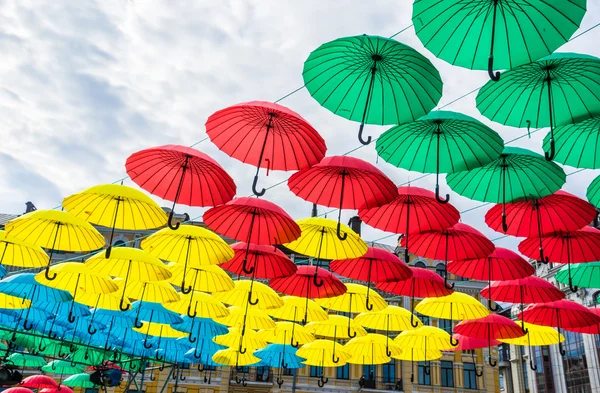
(440, 269)
(420, 264)
(119, 243)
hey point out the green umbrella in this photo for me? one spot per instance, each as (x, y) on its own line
(89, 356)
(593, 192)
(79, 381)
(585, 275)
(563, 88)
(440, 142)
(474, 33)
(62, 367)
(517, 175)
(577, 144)
(26, 360)
(373, 80)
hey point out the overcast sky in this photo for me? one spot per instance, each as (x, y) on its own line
(86, 83)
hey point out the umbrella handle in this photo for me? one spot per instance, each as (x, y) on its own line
(42, 349)
(493, 76)
(245, 269)
(205, 379)
(52, 335)
(127, 306)
(388, 352)
(571, 287)
(86, 356)
(368, 305)
(138, 324)
(550, 156)
(285, 365)
(91, 329)
(315, 282)
(532, 366)
(350, 334)
(255, 302)
(71, 318)
(453, 342)
(335, 359)
(492, 362)
(185, 290)
(493, 308)
(161, 367)
(72, 348)
(182, 377)
(192, 340)
(60, 354)
(254, 190)
(47, 273)
(479, 373)
(279, 382)
(27, 327)
(448, 287)
(413, 323)
(147, 345)
(360, 138)
(175, 226)
(412, 377)
(427, 369)
(543, 259)
(189, 314)
(158, 357)
(439, 198)
(340, 235)
(294, 344)
(561, 349)
(200, 366)
(244, 351)
(504, 223)
(322, 381)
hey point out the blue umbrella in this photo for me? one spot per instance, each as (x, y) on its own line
(203, 351)
(154, 312)
(34, 318)
(280, 356)
(24, 285)
(2, 271)
(62, 309)
(202, 328)
(174, 357)
(110, 319)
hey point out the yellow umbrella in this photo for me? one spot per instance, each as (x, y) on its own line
(116, 206)
(455, 306)
(232, 357)
(234, 338)
(106, 301)
(56, 231)
(356, 298)
(250, 292)
(128, 263)
(372, 348)
(207, 278)
(295, 307)
(536, 336)
(202, 304)
(15, 252)
(251, 319)
(323, 353)
(425, 338)
(150, 291)
(418, 355)
(336, 326)
(13, 303)
(287, 333)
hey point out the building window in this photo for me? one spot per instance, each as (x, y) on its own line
(424, 379)
(315, 371)
(343, 372)
(370, 371)
(542, 377)
(91, 390)
(575, 364)
(287, 371)
(119, 243)
(210, 368)
(446, 325)
(526, 375)
(389, 372)
(262, 374)
(501, 379)
(504, 352)
(420, 264)
(424, 318)
(245, 369)
(469, 376)
(440, 269)
(447, 374)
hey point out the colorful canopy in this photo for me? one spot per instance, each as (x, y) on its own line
(576, 144)
(15, 252)
(246, 291)
(295, 308)
(371, 349)
(259, 261)
(324, 353)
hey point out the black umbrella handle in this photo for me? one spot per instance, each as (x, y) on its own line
(493, 76)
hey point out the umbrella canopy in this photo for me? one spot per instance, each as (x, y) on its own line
(163, 330)
(418, 355)
(336, 327)
(261, 261)
(18, 389)
(501, 181)
(466, 343)
(62, 367)
(79, 380)
(294, 308)
(201, 327)
(371, 349)
(106, 301)
(280, 356)
(149, 291)
(56, 231)
(116, 206)
(585, 275)
(207, 278)
(266, 135)
(544, 94)
(249, 291)
(234, 338)
(287, 333)
(182, 175)
(59, 389)
(576, 144)
(371, 79)
(26, 360)
(15, 252)
(155, 312)
(198, 304)
(232, 357)
(504, 34)
(324, 353)
(593, 192)
(414, 210)
(252, 220)
(253, 318)
(525, 290)
(591, 329)
(24, 285)
(459, 306)
(424, 338)
(440, 142)
(343, 182)
(537, 335)
(38, 382)
(203, 351)
(390, 319)
(566, 247)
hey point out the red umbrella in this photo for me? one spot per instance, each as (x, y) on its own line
(376, 265)
(345, 183)
(566, 247)
(182, 175)
(501, 265)
(591, 329)
(17, 389)
(60, 389)
(559, 212)
(560, 314)
(413, 211)
(459, 242)
(38, 382)
(255, 130)
(466, 343)
(301, 284)
(262, 261)
(492, 327)
(422, 284)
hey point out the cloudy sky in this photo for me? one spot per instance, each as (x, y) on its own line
(85, 84)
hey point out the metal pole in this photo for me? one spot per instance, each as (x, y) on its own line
(294, 378)
(167, 380)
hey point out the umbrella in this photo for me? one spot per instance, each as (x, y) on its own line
(356, 298)
(206, 278)
(24, 285)
(268, 261)
(576, 144)
(241, 295)
(373, 80)
(593, 192)
(149, 291)
(59, 389)
(503, 264)
(491, 327)
(309, 282)
(234, 338)
(203, 351)
(201, 328)
(501, 181)
(466, 343)
(425, 338)
(536, 336)
(321, 238)
(418, 355)
(128, 263)
(459, 242)
(160, 330)
(336, 327)
(61, 367)
(18, 389)
(154, 312)
(56, 231)
(79, 380)
(74, 276)
(280, 356)
(343, 182)
(377, 265)
(591, 329)
(566, 247)
(287, 333)
(507, 32)
(26, 360)
(232, 357)
(585, 275)
(564, 314)
(294, 307)
(252, 318)
(440, 142)
(202, 304)
(38, 382)
(372, 348)
(266, 135)
(544, 94)
(15, 252)
(423, 283)
(455, 306)
(413, 211)
(182, 175)
(107, 301)
(116, 206)
(323, 353)
(559, 212)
